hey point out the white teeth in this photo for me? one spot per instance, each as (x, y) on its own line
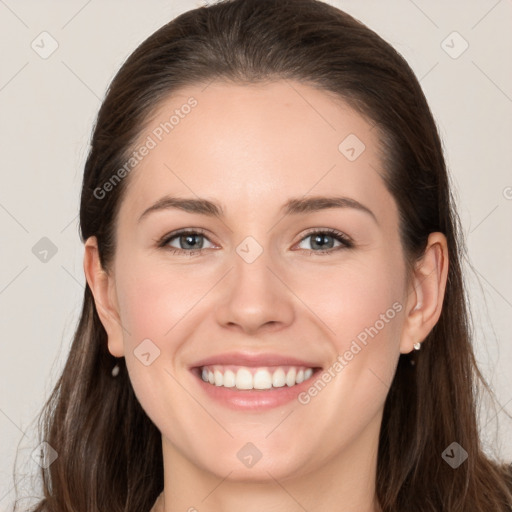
(229, 379)
(262, 380)
(290, 377)
(219, 378)
(255, 378)
(243, 379)
(279, 378)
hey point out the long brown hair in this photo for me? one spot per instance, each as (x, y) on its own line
(109, 451)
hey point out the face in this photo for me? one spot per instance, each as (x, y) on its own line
(300, 297)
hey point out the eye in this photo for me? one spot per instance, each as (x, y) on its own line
(325, 239)
(190, 242)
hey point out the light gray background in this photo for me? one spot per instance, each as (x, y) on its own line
(47, 110)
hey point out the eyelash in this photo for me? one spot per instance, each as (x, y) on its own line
(347, 242)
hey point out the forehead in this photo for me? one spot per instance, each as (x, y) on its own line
(256, 145)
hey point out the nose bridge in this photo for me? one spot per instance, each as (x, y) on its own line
(255, 296)
(252, 264)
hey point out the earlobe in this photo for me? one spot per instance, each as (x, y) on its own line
(426, 295)
(103, 290)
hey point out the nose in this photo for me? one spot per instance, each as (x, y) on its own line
(255, 297)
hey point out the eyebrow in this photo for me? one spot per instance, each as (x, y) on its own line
(293, 206)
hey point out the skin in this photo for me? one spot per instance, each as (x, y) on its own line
(251, 148)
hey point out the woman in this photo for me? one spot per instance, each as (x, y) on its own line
(314, 353)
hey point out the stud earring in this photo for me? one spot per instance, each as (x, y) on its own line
(417, 346)
(115, 371)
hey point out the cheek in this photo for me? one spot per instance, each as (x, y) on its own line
(153, 300)
(362, 305)
(355, 297)
(153, 304)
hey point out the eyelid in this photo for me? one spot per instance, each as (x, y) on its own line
(163, 241)
(335, 232)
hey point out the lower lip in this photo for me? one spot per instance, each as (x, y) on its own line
(254, 399)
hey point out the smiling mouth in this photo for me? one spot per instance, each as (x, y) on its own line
(246, 378)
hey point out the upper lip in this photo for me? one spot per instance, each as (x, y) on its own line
(254, 360)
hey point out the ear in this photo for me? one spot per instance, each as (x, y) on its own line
(103, 289)
(426, 293)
